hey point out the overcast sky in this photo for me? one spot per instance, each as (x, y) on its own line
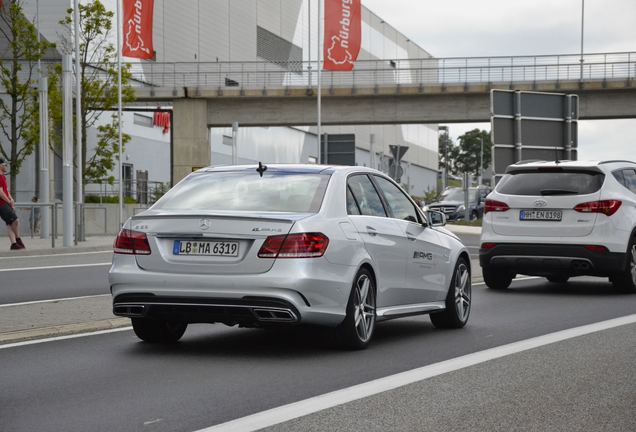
(466, 28)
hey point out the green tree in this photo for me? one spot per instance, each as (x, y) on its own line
(98, 71)
(448, 153)
(470, 145)
(19, 109)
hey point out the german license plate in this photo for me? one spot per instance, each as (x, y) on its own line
(206, 248)
(541, 215)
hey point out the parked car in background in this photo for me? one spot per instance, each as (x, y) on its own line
(452, 203)
(341, 247)
(562, 219)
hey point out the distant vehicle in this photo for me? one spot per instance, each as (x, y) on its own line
(452, 204)
(342, 247)
(560, 220)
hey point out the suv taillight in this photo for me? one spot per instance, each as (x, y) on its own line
(495, 206)
(130, 242)
(607, 207)
(305, 245)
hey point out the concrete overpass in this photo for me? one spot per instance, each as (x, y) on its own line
(377, 92)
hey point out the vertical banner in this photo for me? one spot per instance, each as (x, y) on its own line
(137, 29)
(343, 34)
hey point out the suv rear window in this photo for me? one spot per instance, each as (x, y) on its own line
(538, 183)
(286, 192)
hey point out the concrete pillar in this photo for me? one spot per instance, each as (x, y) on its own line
(191, 147)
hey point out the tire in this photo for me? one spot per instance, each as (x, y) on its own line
(357, 329)
(558, 279)
(497, 280)
(626, 281)
(158, 331)
(458, 300)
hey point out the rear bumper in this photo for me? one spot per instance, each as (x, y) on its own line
(550, 259)
(307, 294)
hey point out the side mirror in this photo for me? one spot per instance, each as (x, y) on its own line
(438, 219)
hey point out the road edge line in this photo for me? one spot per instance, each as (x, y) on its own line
(66, 331)
(315, 404)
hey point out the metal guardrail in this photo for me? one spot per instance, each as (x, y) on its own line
(34, 217)
(370, 73)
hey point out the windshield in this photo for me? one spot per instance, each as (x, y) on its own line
(458, 195)
(247, 191)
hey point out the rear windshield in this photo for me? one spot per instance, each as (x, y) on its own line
(551, 183)
(248, 191)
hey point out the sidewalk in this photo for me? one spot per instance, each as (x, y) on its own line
(38, 246)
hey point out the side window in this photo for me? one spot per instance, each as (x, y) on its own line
(630, 179)
(401, 207)
(366, 196)
(619, 176)
(352, 207)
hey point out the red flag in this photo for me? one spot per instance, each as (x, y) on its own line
(343, 34)
(138, 29)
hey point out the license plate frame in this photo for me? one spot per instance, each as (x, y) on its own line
(533, 215)
(206, 248)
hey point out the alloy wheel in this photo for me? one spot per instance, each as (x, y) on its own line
(462, 292)
(364, 308)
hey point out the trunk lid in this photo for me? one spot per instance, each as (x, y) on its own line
(169, 234)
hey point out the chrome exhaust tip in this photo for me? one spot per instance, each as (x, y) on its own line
(130, 311)
(274, 315)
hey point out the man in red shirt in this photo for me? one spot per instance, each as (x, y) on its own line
(7, 211)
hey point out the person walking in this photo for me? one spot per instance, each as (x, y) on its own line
(7, 209)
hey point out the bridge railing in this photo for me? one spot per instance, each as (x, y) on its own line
(370, 73)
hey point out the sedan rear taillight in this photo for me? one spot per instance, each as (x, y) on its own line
(130, 242)
(495, 206)
(607, 207)
(305, 245)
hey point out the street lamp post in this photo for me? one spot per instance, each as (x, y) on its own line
(582, 33)
(481, 160)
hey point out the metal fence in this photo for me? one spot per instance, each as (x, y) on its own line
(369, 73)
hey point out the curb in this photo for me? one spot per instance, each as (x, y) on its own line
(62, 330)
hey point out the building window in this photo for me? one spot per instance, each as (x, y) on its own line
(143, 120)
(275, 49)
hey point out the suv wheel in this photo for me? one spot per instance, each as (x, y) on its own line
(626, 281)
(356, 330)
(158, 331)
(558, 279)
(497, 279)
(458, 300)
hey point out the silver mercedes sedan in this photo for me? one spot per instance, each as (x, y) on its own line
(280, 245)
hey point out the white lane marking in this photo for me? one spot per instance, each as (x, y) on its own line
(59, 338)
(57, 255)
(339, 397)
(55, 267)
(53, 300)
(519, 279)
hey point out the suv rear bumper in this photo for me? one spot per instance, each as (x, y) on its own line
(550, 259)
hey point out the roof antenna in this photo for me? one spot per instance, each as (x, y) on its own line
(261, 168)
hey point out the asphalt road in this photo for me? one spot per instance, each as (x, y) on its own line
(114, 382)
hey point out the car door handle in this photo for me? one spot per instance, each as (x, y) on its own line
(371, 231)
(410, 237)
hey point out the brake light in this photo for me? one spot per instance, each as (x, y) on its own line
(130, 242)
(305, 245)
(495, 206)
(488, 246)
(597, 248)
(607, 207)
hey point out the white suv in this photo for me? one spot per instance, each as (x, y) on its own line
(562, 219)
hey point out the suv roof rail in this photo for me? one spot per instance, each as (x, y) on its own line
(616, 161)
